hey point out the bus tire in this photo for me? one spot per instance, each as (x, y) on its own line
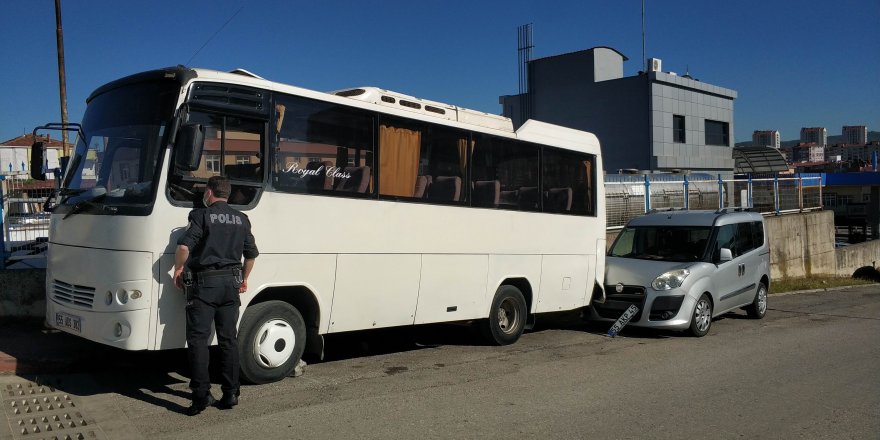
(507, 317)
(271, 341)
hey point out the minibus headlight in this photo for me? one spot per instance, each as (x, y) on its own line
(122, 296)
(670, 280)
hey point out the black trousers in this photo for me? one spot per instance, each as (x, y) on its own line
(214, 302)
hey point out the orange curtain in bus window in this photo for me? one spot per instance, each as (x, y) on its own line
(398, 160)
(463, 156)
(589, 183)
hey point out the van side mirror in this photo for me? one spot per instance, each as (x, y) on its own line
(725, 255)
(188, 147)
(38, 157)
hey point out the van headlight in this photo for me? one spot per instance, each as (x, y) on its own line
(670, 280)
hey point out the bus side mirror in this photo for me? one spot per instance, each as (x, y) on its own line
(188, 147)
(38, 155)
(725, 255)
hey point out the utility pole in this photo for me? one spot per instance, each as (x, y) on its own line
(62, 86)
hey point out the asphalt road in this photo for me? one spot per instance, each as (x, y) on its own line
(810, 369)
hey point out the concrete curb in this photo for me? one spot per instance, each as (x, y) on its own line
(826, 289)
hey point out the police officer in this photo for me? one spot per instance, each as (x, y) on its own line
(212, 248)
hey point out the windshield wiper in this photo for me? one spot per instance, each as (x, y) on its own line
(65, 193)
(72, 191)
(83, 204)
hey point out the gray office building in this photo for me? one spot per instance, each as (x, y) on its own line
(655, 121)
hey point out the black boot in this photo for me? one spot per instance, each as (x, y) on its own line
(229, 399)
(199, 404)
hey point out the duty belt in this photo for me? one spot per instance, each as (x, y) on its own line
(213, 273)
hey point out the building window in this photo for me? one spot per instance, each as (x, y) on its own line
(678, 129)
(717, 133)
(212, 163)
(242, 160)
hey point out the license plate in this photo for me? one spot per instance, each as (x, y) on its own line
(623, 320)
(67, 321)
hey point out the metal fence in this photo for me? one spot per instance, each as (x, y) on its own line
(25, 226)
(23, 223)
(628, 196)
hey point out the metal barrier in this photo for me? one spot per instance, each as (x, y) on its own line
(629, 196)
(23, 223)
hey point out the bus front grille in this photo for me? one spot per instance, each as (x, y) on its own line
(82, 296)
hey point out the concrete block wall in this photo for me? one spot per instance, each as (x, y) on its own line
(854, 256)
(802, 245)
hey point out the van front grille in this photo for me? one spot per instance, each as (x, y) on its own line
(82, 296)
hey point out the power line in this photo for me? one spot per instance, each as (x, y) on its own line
(215, 34)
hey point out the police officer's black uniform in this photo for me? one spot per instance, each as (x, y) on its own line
(218, 236)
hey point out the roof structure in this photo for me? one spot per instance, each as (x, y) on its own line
(28, 139)
(751, 160)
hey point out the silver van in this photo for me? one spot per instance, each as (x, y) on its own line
(683, 268)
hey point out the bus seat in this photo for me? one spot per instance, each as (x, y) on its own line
(445, 189)
(243, 171)
(242, 195)
(527, 198)
(358, 182)
(558, 200)
(508, 198)
(321, 180)
(422, 184)
(487, 193)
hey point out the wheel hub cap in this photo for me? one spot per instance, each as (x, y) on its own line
(703, 315)
(507, 316)
(274, 343)
(762, 300)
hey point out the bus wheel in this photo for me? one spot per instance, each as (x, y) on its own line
(507, 317)
(271, 340)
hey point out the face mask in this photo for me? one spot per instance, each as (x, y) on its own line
(205, 198)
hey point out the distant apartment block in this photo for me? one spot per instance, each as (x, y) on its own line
(654, 121)
(817, 135)
(807, 152)
(766, 138)
(855, 134)
(852, 153)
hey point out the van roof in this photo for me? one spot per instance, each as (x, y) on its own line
(694, 218)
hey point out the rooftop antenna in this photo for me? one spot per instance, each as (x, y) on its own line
(644, 58)
(215, 34)
(524, 49)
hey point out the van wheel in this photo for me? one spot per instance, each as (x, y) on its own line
(758, 308)
(507, 317)
(271, 341)
(701, 319)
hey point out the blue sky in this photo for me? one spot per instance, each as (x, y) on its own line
(793, 63)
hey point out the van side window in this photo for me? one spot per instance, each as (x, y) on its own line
(758, 234)
(744, 239)
(725, 239)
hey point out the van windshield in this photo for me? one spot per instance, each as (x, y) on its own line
(662, 243)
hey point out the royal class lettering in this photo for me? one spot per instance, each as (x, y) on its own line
(228, 219)
(335, 172)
